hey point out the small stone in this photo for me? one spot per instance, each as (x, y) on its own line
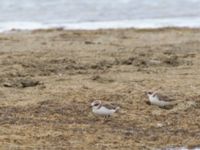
(160, 125)
(7, 84)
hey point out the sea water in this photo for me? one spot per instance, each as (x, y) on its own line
(93, 14)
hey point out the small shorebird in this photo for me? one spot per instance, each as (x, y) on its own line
(160, 100)
(103, 110)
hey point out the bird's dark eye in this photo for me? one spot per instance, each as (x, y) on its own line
(149, 92)
(96, 104)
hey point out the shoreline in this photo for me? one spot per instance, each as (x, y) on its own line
(100, 29)
(184, 22)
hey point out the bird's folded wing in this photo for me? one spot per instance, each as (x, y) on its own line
(165, 98)
(109, 106)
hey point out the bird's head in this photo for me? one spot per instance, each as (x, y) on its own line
(96, 103)
(149, 93)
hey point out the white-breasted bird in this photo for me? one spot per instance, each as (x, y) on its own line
(103, 110)
(160, 100)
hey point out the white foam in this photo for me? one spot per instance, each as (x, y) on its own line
(6, 26)
(139, 23)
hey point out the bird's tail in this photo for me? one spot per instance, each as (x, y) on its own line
(169, 104)
(117, 109)
(176, 102)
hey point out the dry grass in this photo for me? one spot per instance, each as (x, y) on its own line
(49, 78)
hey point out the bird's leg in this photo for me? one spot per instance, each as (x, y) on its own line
(106, 118)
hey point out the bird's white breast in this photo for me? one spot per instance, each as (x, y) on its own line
(155, 101)
(103, 111)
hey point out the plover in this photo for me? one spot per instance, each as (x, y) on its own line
(160, 100)
(103, 110)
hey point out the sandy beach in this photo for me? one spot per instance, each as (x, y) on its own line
(48, 78)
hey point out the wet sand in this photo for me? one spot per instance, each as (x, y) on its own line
(48, 79)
